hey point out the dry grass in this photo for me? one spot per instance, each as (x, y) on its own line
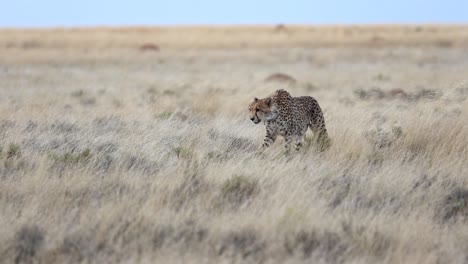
(103, 44)
(109, 154)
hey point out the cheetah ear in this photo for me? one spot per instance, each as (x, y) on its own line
(268, 101)
(255, 99)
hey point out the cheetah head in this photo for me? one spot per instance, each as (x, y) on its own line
(262, 110)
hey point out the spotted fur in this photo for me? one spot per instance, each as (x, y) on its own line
(288, 117)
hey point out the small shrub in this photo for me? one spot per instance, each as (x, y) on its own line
(238, 189)
(381, 77)
(397, 131)
(188, 235)
(210, 155)
(161, 235)
(320, 143)
(71, 158)
(375, 158)
(417, 146)
(28, 242)
(374, 93)
(455, 205)
(378, 94)
(292, 217)
(243, 243)
(382, 138)
(89, 101)
(64, 127)
(366, 241)
(183, 153)
(188, 191)
(463, 90)
(78, 247)
(117, 103)
(168, 92)
(423, 182)
(13, 151)
(428, 94)
(164, 115)
(335, 189)
(310, 87)
(152, 90)
(218, 156)
(77, 93)
(424, 93)
(361, 93)
(305, 243)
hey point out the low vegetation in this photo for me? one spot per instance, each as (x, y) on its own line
(71, 158)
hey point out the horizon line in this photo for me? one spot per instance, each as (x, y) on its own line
(241, 25)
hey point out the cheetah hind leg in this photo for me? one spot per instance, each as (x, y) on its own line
(320, 137)
(297, 142)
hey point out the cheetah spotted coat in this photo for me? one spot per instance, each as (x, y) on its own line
(289, 117)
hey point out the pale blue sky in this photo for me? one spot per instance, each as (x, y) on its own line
(22, 13)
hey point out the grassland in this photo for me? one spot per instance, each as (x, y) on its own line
(111, 154)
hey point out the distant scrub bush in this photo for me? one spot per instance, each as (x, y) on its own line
(247, 244)
(28, 242)
(13, 151)
(305, 243)
(183, 152)
(380, 138)
(164, 115)
(77, 93)
(238, 189)
(318, 143)
(455, 205)
(11, 158)
(71, 158)
(377, 93)
(188, 190)
(334, 246)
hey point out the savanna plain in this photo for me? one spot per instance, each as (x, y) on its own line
(134, 145)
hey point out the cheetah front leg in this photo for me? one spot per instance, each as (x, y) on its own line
(288, 139)
(270, 137)
(298, 141)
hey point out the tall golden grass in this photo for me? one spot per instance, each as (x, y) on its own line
(110, 154)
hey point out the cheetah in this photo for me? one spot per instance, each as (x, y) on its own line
(288, 117)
